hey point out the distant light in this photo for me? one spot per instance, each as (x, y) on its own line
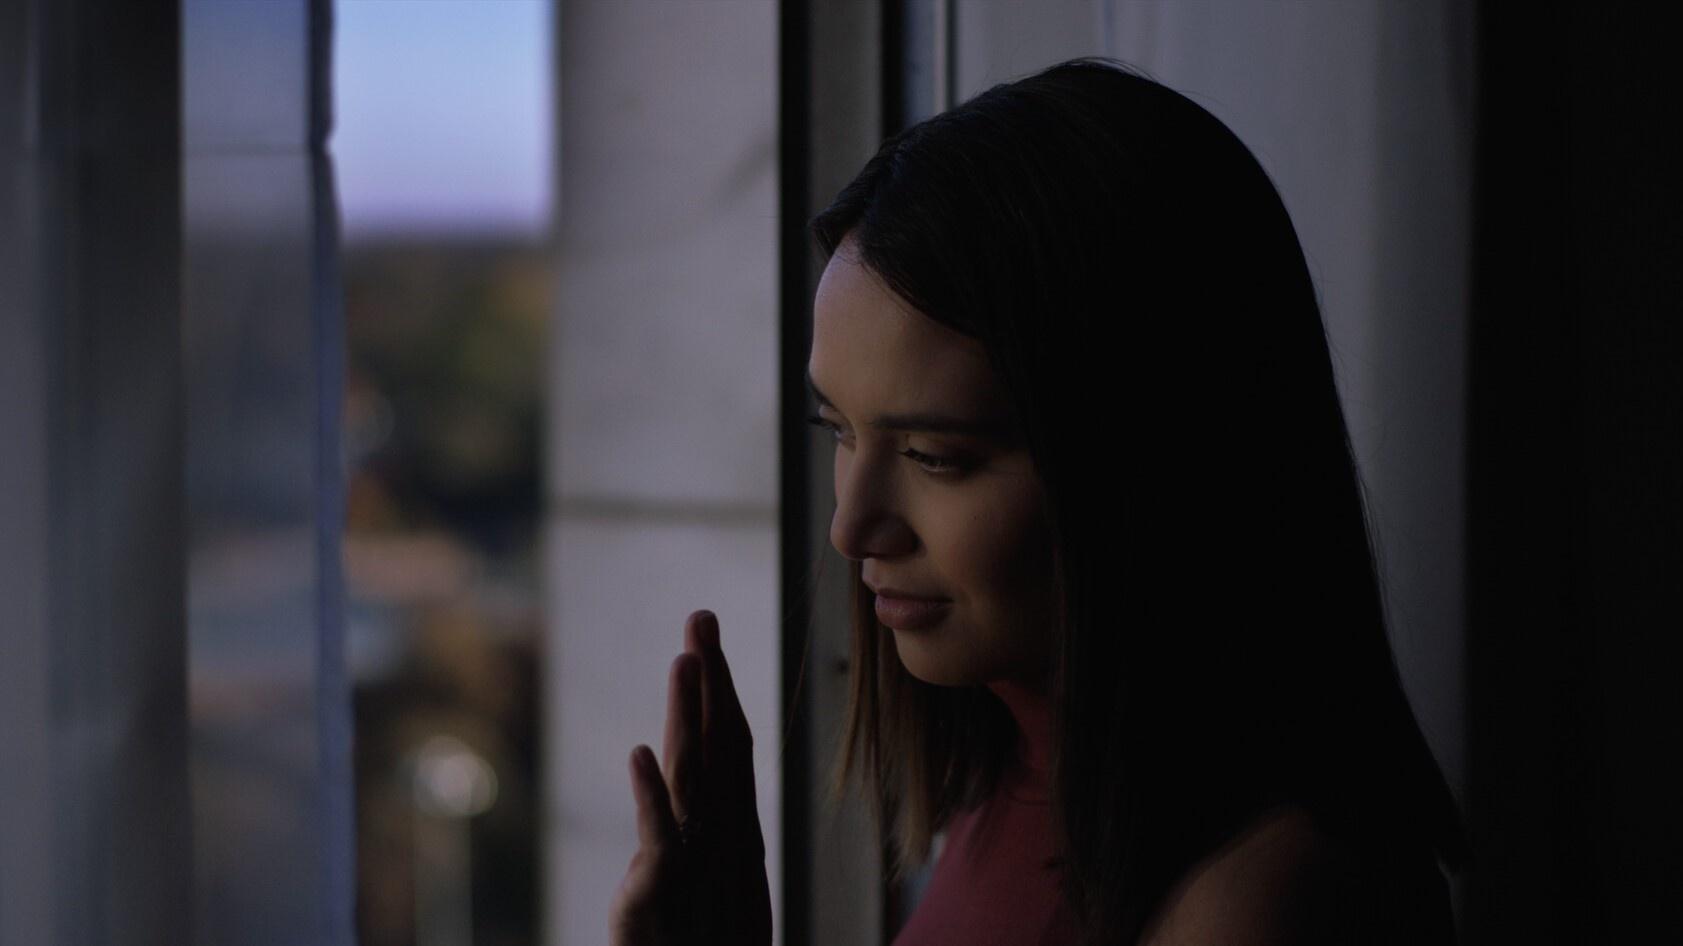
(442, 117)
(451, 780)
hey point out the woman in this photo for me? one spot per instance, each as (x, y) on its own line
(1083, 407)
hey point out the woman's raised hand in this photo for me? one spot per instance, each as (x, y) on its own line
(699, 874)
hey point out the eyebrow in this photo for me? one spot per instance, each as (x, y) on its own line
(925, 423)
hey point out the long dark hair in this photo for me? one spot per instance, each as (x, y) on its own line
(1142, 296)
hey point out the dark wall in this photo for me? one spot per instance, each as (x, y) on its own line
(1574, 523)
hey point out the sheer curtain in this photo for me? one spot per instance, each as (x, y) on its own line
(173, 715)
(94, 810)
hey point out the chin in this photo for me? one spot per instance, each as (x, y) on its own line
(929, 667)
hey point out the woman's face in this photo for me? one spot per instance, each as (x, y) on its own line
(936, 495)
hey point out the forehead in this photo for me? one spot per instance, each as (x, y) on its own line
(871, 348)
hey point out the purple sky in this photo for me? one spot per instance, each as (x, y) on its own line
(443, 116)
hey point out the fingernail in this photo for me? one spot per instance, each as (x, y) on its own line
(643, 758)
(709, 629)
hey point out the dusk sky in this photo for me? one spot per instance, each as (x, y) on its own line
(443, 116)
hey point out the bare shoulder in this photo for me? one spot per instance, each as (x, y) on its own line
(1285, 881)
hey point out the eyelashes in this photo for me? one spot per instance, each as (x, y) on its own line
(940, 466)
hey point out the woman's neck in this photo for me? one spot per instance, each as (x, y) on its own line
(1031, 707)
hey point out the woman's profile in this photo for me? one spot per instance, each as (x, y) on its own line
(1118, 636)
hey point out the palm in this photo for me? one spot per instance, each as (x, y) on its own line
(712, 888)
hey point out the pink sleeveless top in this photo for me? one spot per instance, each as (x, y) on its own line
(993, 882)
(992, 885)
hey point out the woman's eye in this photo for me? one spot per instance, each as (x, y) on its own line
(934, 464)
(816, 421)
(940, 465)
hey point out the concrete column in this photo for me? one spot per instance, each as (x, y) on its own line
(663, 410)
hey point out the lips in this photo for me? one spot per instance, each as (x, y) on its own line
(909, 614)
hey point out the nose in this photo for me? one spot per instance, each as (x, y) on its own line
(868, 522)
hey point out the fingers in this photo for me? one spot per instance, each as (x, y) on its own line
(682, 747)
(723, 721)
(729, 743)
(642, 901)
(657, 829)
(701, 633)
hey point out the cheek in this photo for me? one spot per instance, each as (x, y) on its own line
(1009, 558)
